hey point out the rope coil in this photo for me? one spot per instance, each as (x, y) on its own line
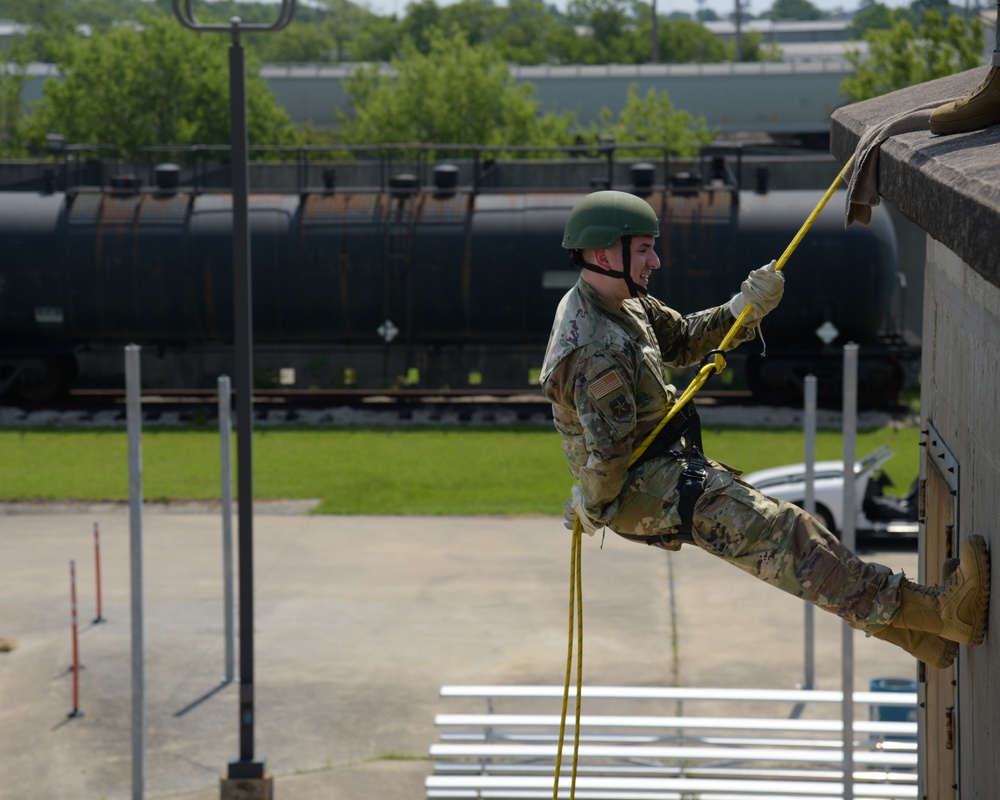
(709, 368)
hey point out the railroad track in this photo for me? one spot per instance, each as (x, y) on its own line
(333, 407)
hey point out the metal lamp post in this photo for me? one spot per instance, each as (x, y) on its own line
(245, 766)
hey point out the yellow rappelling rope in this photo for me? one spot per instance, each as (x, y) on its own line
(576, 571)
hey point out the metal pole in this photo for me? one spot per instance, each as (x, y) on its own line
(847, 537)
(133, 405)
(97, 572)
(75, 631)
(810, 507)
(243, 318)
(226, 462)
(655, 59)
(246, 766)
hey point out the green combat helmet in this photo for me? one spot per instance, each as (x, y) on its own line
(603, 218)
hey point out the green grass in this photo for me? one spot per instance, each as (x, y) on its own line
(373, 471)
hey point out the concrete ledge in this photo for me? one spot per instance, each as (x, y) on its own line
(948, 185)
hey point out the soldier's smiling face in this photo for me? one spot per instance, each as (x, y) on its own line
(644, 260)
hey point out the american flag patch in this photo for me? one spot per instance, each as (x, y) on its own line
(605, 385)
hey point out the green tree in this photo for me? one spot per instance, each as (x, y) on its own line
(793, 9)
(653, 119)
(902, 56)
(302, 42)
(756, 49)
(156, 84)
(567, 47)
(422, 19)
(378, 40)
(12, 80)
(478, 20)
(683, 41)
(613, 38)
(455, 93)
(34, 13)
(873, 16)
(528, 31)
(920, 8)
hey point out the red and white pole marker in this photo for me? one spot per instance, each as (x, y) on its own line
(76, 712)
(97, 570)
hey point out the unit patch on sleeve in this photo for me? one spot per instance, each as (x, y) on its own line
(621, 408)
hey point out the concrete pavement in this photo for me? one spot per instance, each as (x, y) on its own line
(359, 621)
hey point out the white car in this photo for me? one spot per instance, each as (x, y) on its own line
(877, 513)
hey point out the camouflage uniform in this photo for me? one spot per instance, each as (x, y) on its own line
(603, 372)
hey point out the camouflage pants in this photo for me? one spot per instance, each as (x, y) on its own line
(772, 540)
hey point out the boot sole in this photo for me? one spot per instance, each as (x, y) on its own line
(981, 606)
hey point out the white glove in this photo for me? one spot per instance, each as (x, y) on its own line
(761, 291)
(574, 508)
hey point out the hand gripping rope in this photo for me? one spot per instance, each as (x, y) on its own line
(710, 367)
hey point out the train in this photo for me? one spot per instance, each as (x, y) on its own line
(426, 279)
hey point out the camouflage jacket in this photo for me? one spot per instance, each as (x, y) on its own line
(604, 373)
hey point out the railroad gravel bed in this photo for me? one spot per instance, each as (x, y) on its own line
(423, 415)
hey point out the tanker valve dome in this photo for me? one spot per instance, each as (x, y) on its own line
(404, 183)
(167, 176)
(125, 183)
(445, 177)
(55, 143)
(643, 176)
(684, 183)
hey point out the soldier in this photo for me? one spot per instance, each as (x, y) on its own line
(603, 372)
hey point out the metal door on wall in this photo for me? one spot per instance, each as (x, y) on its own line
(938, 690)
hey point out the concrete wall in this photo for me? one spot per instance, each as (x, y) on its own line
(961, 384)
(950, 186)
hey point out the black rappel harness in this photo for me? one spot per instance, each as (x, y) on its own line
(684, 428)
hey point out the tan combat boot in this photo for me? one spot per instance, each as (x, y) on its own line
(955, 609)
(978, 109)
(926, 647)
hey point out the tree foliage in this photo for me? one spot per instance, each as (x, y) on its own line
(460, 94)
(325, 31)
(652, 119)
(683, 41)
(151, 81)
(325, 40)
(12, 120)
(901, 56)
(793, 9)
(529, 32)
(159, 83)
(875, 16)
(453, 93)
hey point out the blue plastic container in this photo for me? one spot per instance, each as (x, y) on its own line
(893, 713)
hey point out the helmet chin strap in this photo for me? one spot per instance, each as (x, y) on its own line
(634, 289)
